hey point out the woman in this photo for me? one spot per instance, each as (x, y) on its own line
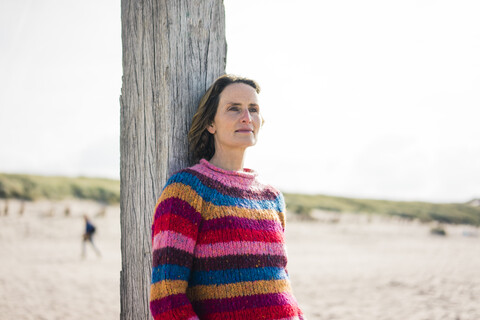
(218, 231)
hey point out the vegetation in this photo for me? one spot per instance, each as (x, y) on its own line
(31, 187)
(456, 213)
(438, 231)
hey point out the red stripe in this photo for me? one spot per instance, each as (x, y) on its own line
(214, 236)
(184, 312)
(273, 312)
(172, 222)
(212, 306)
(168, 303)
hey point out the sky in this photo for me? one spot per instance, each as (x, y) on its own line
(369, 99)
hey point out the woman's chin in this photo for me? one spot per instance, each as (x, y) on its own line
(245, 145)
(251, 143)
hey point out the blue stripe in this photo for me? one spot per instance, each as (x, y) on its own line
(237, 275)
(219, 199)
(281, 202)
(169, 272)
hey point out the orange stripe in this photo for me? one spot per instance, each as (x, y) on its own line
(165, 288)
(239, 289)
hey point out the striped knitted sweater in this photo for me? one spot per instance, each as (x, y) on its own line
(218, 248)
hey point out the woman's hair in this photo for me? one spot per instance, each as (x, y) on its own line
(200, 140)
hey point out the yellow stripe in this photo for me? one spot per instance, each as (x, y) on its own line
(210, 211)
(183, 192)
(165, 288)
(237, 289)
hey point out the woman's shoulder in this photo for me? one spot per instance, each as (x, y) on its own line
(270, 188)
(181, 175)
(186, 176)
(179, 184)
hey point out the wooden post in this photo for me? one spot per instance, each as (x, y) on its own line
(172, 52)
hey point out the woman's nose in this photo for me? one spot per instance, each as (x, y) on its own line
(246, 117)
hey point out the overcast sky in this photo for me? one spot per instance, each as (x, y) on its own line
(377, 99)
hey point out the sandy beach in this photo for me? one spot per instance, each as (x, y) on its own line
(351, 267)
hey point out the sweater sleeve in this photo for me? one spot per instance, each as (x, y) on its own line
(282, 210)
(174, 235)
(282, 213)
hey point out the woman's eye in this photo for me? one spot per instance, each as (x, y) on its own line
(233, 109)
(253, 109)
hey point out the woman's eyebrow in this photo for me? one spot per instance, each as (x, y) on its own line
(239, 104)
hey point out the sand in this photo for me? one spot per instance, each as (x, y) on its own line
(341, 267)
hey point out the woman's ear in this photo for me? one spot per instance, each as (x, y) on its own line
(211, 128)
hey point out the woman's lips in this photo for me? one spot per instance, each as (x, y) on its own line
(244, 131)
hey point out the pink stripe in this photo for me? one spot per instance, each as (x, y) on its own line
(193, 318)
(238, 247)
(174, 240)
(231, 181)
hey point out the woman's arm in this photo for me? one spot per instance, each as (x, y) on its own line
(282, 214)
(174, 234)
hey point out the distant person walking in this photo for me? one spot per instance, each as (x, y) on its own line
(88, 237)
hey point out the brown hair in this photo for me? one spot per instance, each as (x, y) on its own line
(200, 140)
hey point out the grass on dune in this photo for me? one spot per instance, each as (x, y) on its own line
(457, 213)
(31, 187)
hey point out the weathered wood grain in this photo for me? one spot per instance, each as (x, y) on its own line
(172, 52)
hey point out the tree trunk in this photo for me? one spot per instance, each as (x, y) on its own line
(172, 52)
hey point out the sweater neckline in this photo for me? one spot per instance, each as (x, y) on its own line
(246, 173)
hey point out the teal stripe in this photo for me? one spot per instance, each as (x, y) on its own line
(169, 272)
(237, 275)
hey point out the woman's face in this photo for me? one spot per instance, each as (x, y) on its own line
(238, 120)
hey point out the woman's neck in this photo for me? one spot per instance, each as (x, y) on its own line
(228, 161)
